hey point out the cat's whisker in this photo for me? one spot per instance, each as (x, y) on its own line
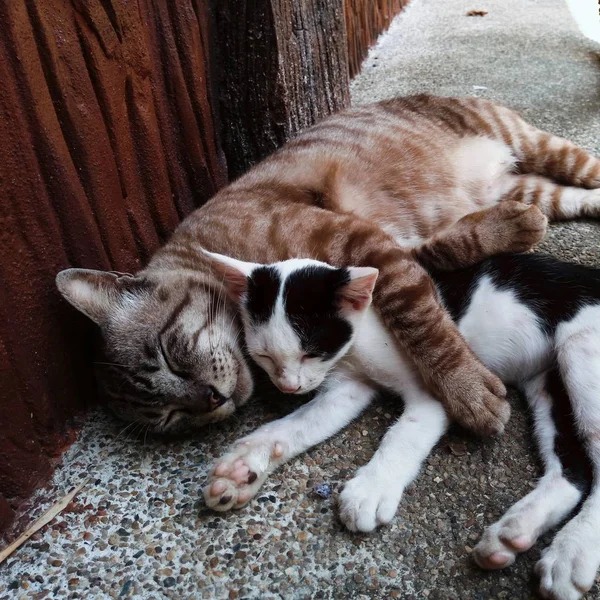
(124, 429)
(146, 434)
(110, 364)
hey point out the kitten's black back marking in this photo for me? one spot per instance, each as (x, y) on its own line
(552, 289)
(310, 300)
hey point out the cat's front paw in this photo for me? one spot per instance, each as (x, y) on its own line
(475, 398)
(567, 569)
(236, 477)
(368, 500)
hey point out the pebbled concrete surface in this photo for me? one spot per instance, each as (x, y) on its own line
(139, 530)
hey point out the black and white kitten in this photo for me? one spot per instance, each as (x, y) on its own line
(532, 320)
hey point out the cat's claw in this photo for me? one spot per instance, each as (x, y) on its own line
(236, 477)
(368, 500)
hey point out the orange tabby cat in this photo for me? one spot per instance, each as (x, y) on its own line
(443, 181)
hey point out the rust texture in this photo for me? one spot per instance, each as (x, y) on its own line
(365, 21)
(284, 65)
(109, 139)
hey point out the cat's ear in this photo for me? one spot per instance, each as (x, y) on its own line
(95, 293)
(234, 273)
(356, 295)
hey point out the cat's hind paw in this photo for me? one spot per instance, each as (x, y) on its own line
(520, 227)
(236, 477)
(568, 568)
(500, 544)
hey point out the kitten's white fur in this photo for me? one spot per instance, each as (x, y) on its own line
(508, 338)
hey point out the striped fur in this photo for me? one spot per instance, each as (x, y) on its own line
(444, 181)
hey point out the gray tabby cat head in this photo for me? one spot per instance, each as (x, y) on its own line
(173, 359)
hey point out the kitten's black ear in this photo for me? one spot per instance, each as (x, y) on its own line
(94, 293)
(356, 295)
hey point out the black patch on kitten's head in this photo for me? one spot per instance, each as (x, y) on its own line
(263, 289)
(310, 300)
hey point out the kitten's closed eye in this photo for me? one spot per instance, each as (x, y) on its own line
(309, 356)
(265, 356)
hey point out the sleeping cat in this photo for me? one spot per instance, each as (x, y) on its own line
(533, 320)
(401, 183)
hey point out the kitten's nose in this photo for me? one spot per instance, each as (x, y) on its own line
(288, 390)
(288, 383)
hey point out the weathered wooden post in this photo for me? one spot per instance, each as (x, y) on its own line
(284, 66)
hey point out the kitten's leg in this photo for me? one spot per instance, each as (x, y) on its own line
(557, 202)
(553, 498)
(568, 568)
(504, 227)
(238, 475)
(371, 498)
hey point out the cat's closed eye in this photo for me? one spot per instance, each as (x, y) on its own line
(309, 356)
(177, 372)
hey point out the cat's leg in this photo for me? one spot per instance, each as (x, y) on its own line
(371, 498)
(238, 475)
(553, 498)
(568, 567)
(538, 152)
(541, 153)
(557, 202)
(503, 227)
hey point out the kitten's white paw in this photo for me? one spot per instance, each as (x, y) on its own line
(368, 500)
(567, 569)
(237, 476)
(502, 541)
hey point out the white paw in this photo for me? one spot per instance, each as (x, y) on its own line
(368, 500)
(237, 476)
(567, 569)
(502, 541)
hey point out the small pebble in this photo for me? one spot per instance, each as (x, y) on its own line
(323, 490)
(126, 588)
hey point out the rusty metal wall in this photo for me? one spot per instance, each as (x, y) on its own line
(107, 140)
